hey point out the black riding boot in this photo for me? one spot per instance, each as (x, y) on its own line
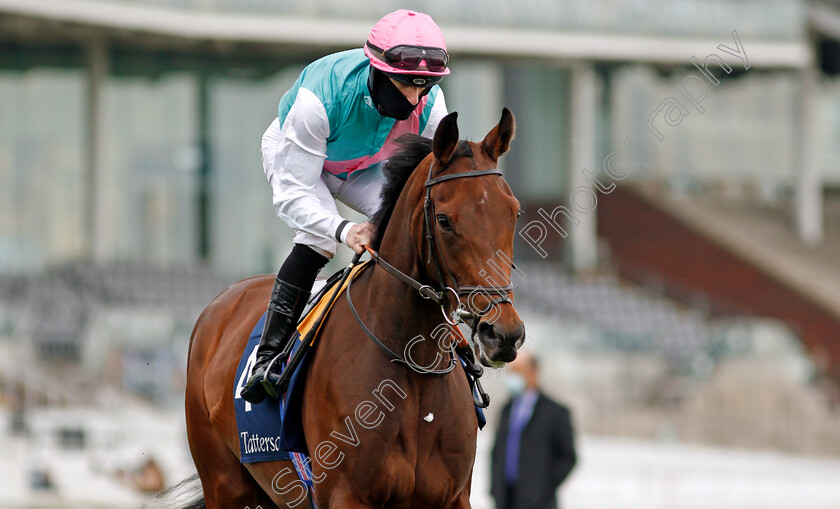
(284, 309)
(291, 290)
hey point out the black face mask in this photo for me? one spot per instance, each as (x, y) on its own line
(387, 98)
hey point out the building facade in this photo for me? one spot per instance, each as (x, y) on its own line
(131, 129)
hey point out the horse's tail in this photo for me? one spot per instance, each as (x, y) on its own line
(187, 494)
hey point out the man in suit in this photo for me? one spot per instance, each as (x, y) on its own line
(534, 449)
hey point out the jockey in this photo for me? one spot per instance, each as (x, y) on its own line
(336, 127)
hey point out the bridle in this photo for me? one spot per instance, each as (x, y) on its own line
(436, 256)
(441, 296)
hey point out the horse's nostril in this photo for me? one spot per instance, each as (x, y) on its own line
(498, 336)
(518, 336)
(488, 332)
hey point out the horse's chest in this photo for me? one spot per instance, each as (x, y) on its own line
(440, 463)
(399, 447)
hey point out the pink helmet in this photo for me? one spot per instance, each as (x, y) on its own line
(408, 43)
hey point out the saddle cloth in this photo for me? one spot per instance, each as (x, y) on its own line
(260, 425)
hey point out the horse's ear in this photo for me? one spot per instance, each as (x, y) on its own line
(497, 141)
(446, 138)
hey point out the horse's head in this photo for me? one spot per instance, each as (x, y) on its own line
(461, 216)
(465, 227)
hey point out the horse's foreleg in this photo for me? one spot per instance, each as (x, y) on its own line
(463, 502)
(341, 499)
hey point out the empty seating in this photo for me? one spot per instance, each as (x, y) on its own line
(625, 317)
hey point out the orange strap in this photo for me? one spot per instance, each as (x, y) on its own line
(309, 321)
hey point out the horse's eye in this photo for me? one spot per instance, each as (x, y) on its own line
(443, 221)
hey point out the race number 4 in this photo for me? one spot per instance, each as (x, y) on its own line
(246, 374)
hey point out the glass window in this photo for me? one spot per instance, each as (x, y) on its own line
(149, 182)
(538, 163)
(41, 168)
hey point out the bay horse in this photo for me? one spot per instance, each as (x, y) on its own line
(381, 434)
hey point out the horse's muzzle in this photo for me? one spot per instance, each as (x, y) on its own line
(499, 344)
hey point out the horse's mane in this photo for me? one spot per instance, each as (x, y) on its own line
(400, 166)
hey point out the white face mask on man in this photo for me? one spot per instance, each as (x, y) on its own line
(515, 383)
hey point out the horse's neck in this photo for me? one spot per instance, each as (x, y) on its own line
(396, 310)
(399, 315)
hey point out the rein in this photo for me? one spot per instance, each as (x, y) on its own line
(463, 347)
(395, 358)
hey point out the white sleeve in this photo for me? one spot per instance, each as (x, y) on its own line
(268, 147)
(295, 167)
(435, 116)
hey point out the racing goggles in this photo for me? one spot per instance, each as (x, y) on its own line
(409, 57)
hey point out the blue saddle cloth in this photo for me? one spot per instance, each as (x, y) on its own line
(264, 435)
(273, 429)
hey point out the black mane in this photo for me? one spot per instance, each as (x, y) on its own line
(413, 149)
(400, 166)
